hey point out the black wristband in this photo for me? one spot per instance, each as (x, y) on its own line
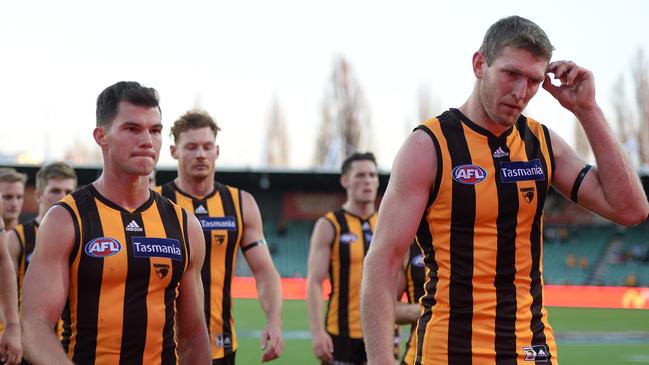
(251, 245)
(578, 181)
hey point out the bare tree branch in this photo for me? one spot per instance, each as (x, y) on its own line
(345, 118)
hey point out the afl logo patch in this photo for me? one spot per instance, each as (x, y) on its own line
(469, 174)
(102, 247)
(418, 261)
(348, 238)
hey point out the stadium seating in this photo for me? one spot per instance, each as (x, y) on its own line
(580, 255)
(289, 247)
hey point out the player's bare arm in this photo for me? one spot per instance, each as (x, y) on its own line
(612, 189)
(266, 276)
(193, 341)
(10, 347)
(318, 268)
(413, 173)
(14, 248)
(45, 288)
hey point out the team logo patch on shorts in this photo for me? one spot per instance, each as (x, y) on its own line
(223, 340)
(228, 223)
(144, 247)
(469, 174)
(102, 247)
(511, 172)
(538, 353)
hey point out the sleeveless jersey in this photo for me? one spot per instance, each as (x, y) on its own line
(26, 234)
(220, 215)
(125, 268)
(351, 241)
(482, 244)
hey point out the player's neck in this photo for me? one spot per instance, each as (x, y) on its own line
(10, 223)
(195, 187)
(127, 191)
(474, 110)
(359, 209)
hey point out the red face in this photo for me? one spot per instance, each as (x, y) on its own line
(134, 138)
(361, 181)
(196, 152)
(13, 195)
(508, 84)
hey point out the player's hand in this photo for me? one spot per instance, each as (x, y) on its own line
(577, 89)
(323, 347)
(272, 342)
(11, 350)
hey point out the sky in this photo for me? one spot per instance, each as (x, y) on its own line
(233, 58)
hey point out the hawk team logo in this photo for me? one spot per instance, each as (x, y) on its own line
(102, 247)
(161, 270)
(220, 239)
(528, 194)
(469, 174)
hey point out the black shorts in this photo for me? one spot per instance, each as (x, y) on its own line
(226, 360)
(348, 351)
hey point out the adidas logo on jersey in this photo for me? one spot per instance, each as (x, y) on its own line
(200, 210)
(500, 153)
(133, 227)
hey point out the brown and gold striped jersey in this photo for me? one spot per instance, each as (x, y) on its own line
(125, 268)
(220, 215)
(26, 234)
(352, 239)
(482, 244)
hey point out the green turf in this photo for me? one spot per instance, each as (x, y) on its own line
(596, 320)
(569, 324)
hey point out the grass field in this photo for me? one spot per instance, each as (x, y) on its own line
(585, 336)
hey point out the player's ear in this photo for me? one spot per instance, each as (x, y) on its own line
(174, 151)
(344, 181)
(37, 196)
(479, 64)
(218, 151)
(99, 134)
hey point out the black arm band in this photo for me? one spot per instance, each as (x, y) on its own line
(578, 181)
(251, 245)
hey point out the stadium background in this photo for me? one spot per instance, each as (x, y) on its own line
(596, 273)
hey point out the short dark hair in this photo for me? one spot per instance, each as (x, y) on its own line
(193, 119)
(55, 170)
(128, 91)
(357, 156)
(517, 32)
